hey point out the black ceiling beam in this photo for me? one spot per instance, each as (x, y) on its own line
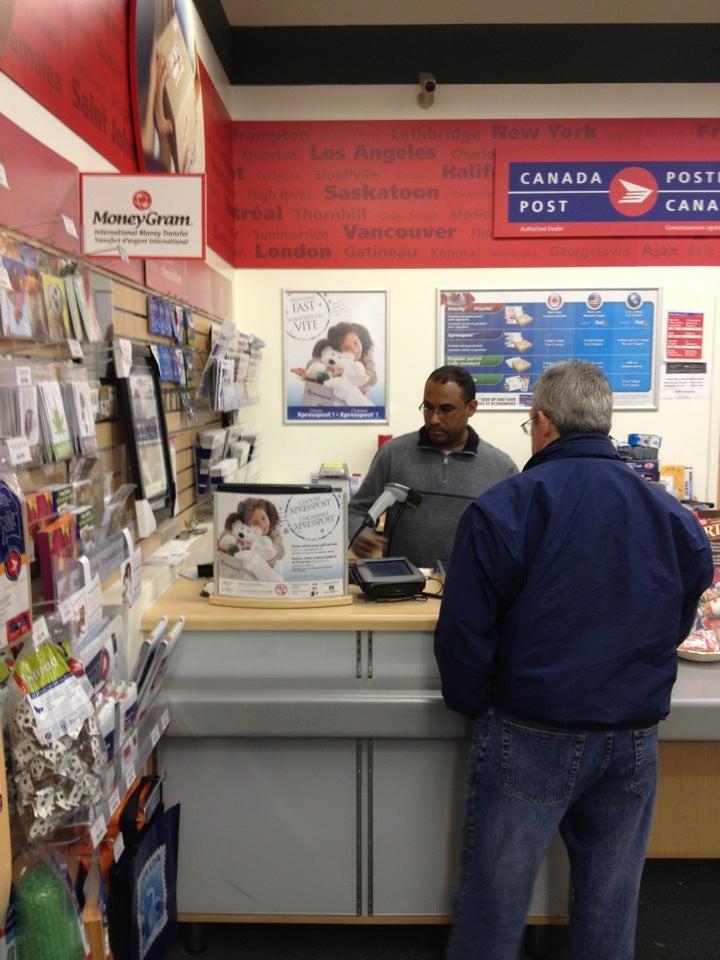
(465, 53)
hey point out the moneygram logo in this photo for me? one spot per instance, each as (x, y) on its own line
(633, 191)
(141, 200)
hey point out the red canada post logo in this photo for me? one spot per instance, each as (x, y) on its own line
(141, 200)
(633, 191)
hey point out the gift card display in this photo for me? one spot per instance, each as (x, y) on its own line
(56, 309)
(56, 441)
(189, 328)
(160, 317)
(86, 305)
(73, 308)
(16, 301)
(178, 323)
(79, 410)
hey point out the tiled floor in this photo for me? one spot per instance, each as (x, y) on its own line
(679, 920)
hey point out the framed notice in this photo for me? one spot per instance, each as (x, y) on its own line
(507, 338)
(146, 433)
(335, 356)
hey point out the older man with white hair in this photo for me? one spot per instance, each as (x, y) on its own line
(569, 589)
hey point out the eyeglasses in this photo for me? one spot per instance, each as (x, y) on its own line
(525, 426)
(443, 410)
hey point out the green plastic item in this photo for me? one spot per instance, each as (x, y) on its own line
(46, 917)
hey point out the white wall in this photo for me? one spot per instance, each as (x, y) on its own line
(690, 428)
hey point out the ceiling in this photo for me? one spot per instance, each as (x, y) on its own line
(305, 42)
(297, 13)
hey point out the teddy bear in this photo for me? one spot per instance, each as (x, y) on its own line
(346, 376)
(252, 548)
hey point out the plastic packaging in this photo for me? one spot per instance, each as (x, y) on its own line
(48, 924)
(58, 754)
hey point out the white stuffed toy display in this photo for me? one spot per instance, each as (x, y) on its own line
(347, 376)
(252, 549)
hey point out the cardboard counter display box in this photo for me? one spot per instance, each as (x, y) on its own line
(280, 545)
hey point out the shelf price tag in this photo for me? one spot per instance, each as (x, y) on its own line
(118, 846)
(129, 774)
(75, 349)
(69, 225)
(18, 450)
(98, 830)
(154, 736)
(114, 801)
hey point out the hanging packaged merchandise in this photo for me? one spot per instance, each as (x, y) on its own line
(79, 408)
(49, 926)
(190, 376)
(57, 751)
(54, 428)
(99, 651)
(73, 308)
(164, 359)
(56, 545)
(178, 323)
(15, 620)
(160, 317)
(56, 308)
(189, 327)
(21, 291)
(19, 414)
(82, 280)
(14, 302)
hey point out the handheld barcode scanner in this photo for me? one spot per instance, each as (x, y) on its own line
(389, 578)
(393, 493)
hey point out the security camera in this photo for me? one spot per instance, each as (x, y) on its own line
(427, 82)
(427, 90)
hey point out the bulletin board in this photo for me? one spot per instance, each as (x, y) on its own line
(507, 338)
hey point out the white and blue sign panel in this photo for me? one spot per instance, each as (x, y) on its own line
(507, 338)
(335, 356)
(607, 198)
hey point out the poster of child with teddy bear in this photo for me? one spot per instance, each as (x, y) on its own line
(279, 542)
(335, 350)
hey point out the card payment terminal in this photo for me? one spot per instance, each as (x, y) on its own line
(387, 578)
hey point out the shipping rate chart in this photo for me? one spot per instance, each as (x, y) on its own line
(506, 339)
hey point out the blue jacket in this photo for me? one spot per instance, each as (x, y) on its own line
(569, 588)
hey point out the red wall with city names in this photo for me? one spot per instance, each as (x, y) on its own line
(420, 194)
(412, 194)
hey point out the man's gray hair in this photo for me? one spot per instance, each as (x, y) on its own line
(576, 397)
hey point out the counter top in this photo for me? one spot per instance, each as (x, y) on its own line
(184, 598)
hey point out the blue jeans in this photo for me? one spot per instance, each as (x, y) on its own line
(525, 782)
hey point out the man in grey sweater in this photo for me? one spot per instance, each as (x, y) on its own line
(446, 463)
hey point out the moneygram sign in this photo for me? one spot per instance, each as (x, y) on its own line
(607, 198)
(146, 215)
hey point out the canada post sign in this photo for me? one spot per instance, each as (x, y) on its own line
(607, 198)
